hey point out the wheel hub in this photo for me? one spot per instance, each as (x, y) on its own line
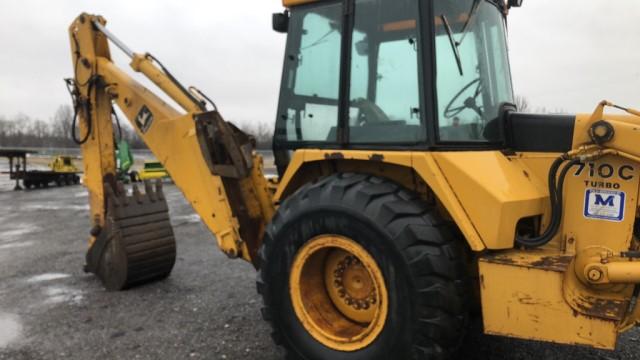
(338, 293)
(353, 291)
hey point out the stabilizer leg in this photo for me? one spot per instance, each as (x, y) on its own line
(137, 245)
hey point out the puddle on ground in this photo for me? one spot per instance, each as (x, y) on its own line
(62, 294)
(52, 207)
(17, 231)
(16, 245)
(10, 329)
(185, 219)
(47, 277)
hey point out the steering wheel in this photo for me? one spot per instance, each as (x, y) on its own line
(470, 103)
(370, 113)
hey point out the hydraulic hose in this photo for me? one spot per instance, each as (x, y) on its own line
(556, 190)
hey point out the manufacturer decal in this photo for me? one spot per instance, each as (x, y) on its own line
(605, 176)
(144, 119)
(604, 205)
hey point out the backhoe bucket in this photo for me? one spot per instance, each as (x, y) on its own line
(137, 245)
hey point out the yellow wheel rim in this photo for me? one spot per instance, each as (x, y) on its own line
(338, 293)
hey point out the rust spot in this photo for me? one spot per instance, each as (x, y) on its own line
(377, 157)
(602, 308)
(553, 263)
(498, 259)
(334, 156)
(526, 299)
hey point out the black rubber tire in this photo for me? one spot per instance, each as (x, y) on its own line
(422, 258)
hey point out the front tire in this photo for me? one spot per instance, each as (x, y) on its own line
(420, 257)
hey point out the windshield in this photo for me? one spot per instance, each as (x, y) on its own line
(473, 76)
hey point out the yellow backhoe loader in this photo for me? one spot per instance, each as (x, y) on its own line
(411, 192)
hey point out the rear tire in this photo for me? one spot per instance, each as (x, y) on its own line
(422, 259)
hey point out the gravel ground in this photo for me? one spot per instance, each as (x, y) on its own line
(207, 309)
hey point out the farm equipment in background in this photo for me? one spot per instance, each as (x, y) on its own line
(61, 171)
(152, 170)
(125, 161)
(410, 189)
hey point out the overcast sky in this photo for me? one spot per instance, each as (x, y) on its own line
(566, 54)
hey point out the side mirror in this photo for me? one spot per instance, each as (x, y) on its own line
(515, 3)
(280, 22)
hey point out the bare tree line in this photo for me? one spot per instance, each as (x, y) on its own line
(262, 132)
(524, 106)
(27, 132)
(24, 131)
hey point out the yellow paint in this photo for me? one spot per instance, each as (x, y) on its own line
(525, 300)
(485, 193)
(63, 164)
(99, 150)
(495, 193)
(323, 312)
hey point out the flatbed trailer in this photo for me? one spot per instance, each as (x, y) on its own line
(36, 178)
(18, 172)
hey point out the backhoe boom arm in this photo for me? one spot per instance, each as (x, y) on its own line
(212, 162)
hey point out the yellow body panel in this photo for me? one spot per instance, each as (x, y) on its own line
(422, 162)
(485, 193)
(522, 296)
(495, 192)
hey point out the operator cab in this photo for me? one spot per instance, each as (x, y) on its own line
(370, 74)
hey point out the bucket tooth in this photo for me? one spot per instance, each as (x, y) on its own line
(150, 191)
(137, 195)
(159, 190)
(137, 244)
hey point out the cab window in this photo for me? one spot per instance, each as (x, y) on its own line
(472, 66)
(311, 84)
(384, 97)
